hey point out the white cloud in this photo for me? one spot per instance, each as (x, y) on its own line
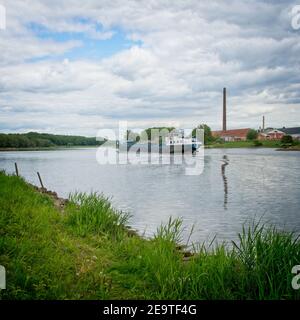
(189, 51)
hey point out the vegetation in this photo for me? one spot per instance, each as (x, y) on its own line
(257, 143)
(294, 147)
(44, 140)
(86, 252)
(287, 140)
(208, 138)
(131, 135)
(252, 134)
(288, 143)
(245, 144)
(155, 134)
(96, 215)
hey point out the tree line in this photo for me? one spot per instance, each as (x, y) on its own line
(156, 134)
(44, 140)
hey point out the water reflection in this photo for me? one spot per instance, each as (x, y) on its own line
(223, 166)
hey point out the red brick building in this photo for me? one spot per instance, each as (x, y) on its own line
(232, 135)
(271, 135)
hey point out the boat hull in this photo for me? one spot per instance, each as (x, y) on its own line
(156, 148)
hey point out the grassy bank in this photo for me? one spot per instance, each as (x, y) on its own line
(291, 148)
(84, 251)
(246, 144)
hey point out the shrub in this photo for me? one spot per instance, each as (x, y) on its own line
(208, 137)
(257, 143)
(219, 140)
(252, 134)
(287, 139)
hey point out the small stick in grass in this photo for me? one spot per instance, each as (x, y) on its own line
(17, 171)
(41, 182)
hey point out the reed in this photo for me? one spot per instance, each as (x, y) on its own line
(94, 213)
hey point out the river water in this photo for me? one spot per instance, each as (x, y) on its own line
(236, 186)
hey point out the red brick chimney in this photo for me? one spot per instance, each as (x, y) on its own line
(224, 109)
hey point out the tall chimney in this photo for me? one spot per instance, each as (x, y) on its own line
(224, 109)
(263, 124)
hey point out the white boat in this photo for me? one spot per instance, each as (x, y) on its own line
(174, 143)
(177, 144)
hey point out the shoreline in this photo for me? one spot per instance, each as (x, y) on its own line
(269, 144)
(288, 149)
(80, 248)
(60, 204)
(48, 148)
(93, 147)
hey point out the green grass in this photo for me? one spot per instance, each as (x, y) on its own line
(94, 214)
(245, 144)
(86, 252)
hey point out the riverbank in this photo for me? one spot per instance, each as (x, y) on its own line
(246, 144)
(276, 144)
(83, 250)
(225, 145)
(54, 148)
(291, 148)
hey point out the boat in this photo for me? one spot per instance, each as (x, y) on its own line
(179, 144)
(175, 142)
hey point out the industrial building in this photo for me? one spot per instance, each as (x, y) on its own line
(233, 134)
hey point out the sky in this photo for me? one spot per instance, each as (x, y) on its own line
(74, 67)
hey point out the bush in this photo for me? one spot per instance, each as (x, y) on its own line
(252, 134)
(219, 140)
(208, 137)
(287, 139)
(257, 143)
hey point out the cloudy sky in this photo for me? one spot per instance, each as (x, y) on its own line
(73, 67)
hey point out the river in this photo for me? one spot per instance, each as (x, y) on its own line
(236, 186)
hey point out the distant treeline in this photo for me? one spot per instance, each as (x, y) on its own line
(44, 140)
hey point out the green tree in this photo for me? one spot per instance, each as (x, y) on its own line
(131, 135)
(34, 139)
(155, 134)
(208, 138)
(252, 134)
